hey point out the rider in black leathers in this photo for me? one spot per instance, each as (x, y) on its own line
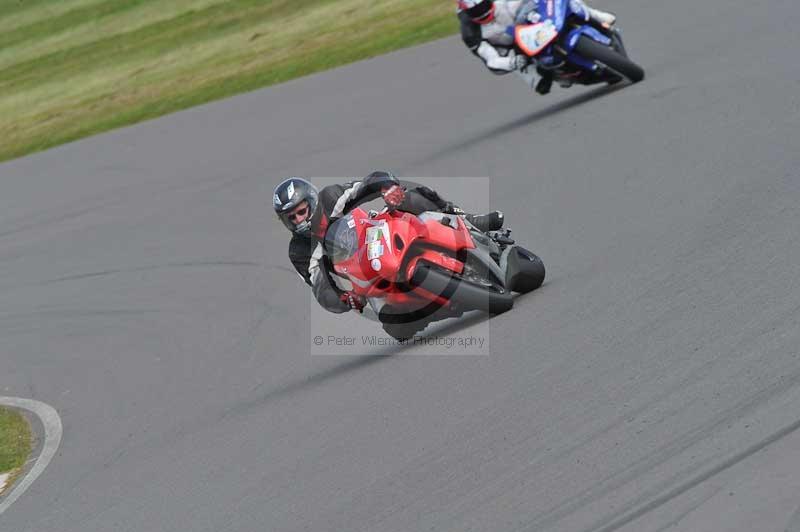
(307, 213)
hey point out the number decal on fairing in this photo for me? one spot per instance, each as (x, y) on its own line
(376, 235)
(532, 38)
(374, 250)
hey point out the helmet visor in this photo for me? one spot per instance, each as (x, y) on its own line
(298, 219)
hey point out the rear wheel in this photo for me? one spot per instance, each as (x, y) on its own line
(616, 62)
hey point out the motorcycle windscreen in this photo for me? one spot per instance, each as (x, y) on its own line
(533, 38)
(341, 240)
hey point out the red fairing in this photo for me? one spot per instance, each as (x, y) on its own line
(435, 257)
(391, 246)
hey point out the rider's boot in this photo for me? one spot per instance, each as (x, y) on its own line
(491, 221)
(545, 83)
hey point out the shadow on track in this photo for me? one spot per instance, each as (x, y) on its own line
(444, 328)
(454, 326)
(346, 368)
(522, 122)
(307, 383)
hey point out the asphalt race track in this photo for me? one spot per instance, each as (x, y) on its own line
(652, 384)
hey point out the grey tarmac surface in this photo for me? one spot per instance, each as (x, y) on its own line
(652, 384)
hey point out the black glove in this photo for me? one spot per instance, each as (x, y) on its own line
(354, 301)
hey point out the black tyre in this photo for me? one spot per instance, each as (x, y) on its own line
(525, 271)
(610, 58)
(617, 44)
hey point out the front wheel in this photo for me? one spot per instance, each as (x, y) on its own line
(610, 58)
(524, 271)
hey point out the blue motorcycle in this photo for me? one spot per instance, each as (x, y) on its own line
(568, 47)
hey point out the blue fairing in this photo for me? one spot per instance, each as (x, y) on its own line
(579, 60)
(572, 38)
(558, 12)
(581, 12)
(561, 13)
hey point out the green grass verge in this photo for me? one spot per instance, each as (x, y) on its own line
(15, 440)
(73, 68)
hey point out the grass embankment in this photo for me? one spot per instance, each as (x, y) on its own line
(15, 442)
(73, 68)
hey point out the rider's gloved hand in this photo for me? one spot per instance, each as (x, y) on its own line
(355, 301)
(533, 17)
(521, 61)
(393, 196)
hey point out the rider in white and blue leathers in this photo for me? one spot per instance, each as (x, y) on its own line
(483, 29)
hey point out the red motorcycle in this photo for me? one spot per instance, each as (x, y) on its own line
(415, 269)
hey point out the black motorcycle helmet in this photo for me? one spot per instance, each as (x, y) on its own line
(288, 195)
